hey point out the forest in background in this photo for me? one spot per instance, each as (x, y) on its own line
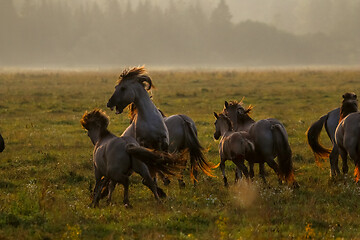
(55, 33)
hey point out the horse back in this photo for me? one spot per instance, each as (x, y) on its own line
(111, 156)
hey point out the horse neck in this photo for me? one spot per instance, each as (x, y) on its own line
(100, 135)
(145, 107)
(347, 108)
(244, 122)
(224, 130)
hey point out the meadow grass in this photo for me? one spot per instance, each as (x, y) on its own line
(46, 169)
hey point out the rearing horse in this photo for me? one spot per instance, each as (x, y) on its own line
(148, 126)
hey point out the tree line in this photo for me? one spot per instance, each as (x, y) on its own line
(53, 33)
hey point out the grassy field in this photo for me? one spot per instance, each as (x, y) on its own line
(46, 169)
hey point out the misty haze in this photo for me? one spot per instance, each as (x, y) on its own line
(231, 33)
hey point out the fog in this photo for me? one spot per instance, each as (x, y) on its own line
(186, 33)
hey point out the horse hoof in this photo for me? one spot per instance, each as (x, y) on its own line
(128, 206)
(166, 182)
(296, 185)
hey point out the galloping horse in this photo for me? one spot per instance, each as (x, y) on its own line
(331, 121)
(347, 137)
(269, 137)
(115, 158)
(233, 146)
(182, 136)
(2, 144)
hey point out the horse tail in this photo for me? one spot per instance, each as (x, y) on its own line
(157, 161)
(2, 144)
(197, 158)
(313, 134)
(283, 152)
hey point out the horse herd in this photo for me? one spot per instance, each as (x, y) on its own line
(155, 146)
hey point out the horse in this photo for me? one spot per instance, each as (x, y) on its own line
(234, 146)
(347, 138)
(331, 121)
(149, 127)
(2, 144)
(270, 139)
(115, 158)
(182, 137)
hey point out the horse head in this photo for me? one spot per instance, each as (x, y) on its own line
(235, 111)
(130, 82)
(222, 124)
(349, 105)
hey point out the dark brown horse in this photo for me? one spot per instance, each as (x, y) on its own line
(270, 139)
(331, 121)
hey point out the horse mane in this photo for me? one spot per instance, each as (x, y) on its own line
(136, 72)
(133, 111)
(228, 121)
(96, 117)
(234, 103)
(349, 105)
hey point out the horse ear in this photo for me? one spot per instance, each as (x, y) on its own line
(226, 104)
(216, 116)
(343, 96)
(147, 79)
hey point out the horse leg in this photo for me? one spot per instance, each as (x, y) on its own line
(343, 155)
(240, 164)
(238, 174)
(270, 161)
(140, 168)
(262, 172)
(222, 167)
(334, 159)
(97, 189)
(125, 183)
(251, 168)
(181, 178)
(111, 188)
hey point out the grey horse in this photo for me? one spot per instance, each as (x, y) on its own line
(182, 136)
(347, 137)
(115, 158)
(149, 127)
(270, 139)
(234, 146)
(2, 144)
(331, 121)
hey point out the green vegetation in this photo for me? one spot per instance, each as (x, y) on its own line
(46, 168)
